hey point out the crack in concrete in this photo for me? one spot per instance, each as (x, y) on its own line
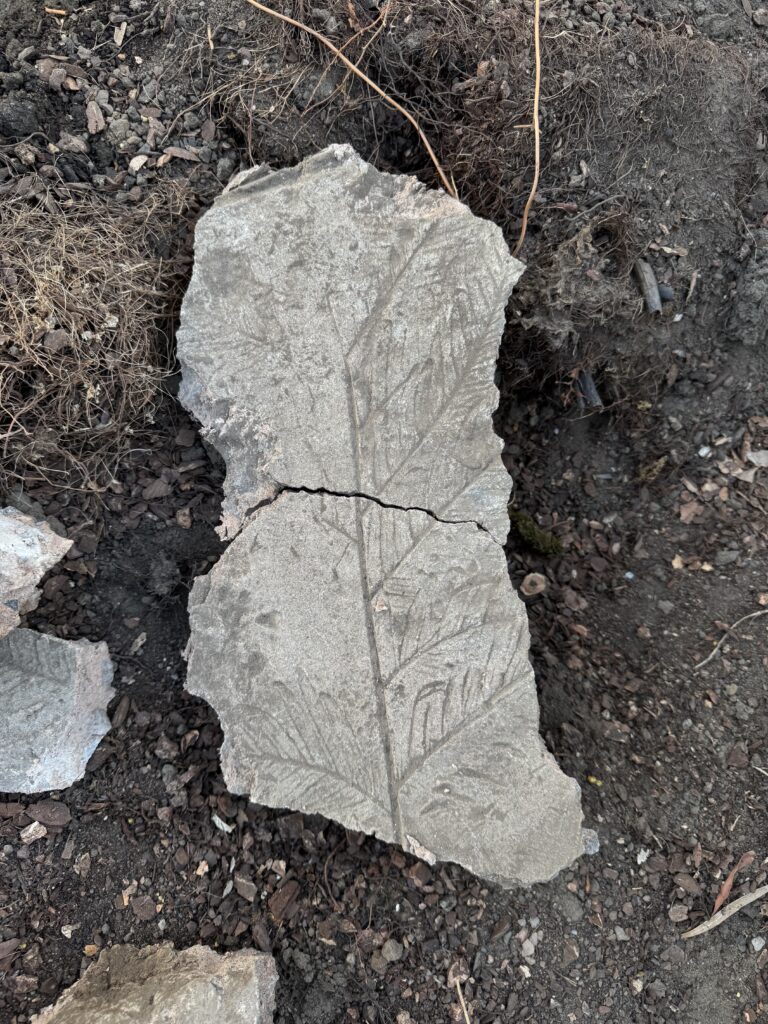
(288, 489)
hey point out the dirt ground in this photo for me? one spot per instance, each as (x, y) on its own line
(655, 119)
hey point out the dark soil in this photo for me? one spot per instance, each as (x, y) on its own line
(662, 521)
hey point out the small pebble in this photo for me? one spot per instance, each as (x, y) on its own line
(392, 951)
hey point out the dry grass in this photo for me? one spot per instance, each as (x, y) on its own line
(339, 54)
(628, 120)
(643, 130)
(86, 311)
(468, 78)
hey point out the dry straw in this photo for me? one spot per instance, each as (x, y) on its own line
(86, 306)
(337, 52)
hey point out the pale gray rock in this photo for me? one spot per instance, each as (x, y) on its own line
(371, 664)
(341, 332)
(360, 639)
(54, 695)
(157, 985)
(28, 549)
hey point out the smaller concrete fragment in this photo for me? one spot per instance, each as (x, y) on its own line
(28, 549)
(54, 695)
(158, 985)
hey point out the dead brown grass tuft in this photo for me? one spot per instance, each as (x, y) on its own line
(87, 291)
(467, 76)
(647, 138)
(643, 130)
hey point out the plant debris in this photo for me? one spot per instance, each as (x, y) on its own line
(86, 312)
(533, 536)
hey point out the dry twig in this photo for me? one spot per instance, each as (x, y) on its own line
(536, 125)
(733, 908)
(378, 24)
(447, 185)
(726, 634)
(463, 1004)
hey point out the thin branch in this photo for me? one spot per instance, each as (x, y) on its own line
(366, 28)
(463, 1004)
(726, 634)
(722, 915)
(536, 125)
(368, 81)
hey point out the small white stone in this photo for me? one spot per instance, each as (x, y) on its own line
(33, 832)
(137, 162)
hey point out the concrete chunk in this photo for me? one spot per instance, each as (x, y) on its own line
(341, 332)
(28, 549)
(157, 985)
(371, 664)
(360, 639)
(55, 694)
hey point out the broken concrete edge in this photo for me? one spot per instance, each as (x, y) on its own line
(28, 549)
(155, 984)
(56, 693)
(242, 495)
(557, 811)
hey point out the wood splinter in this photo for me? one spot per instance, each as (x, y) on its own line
(722, 915)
